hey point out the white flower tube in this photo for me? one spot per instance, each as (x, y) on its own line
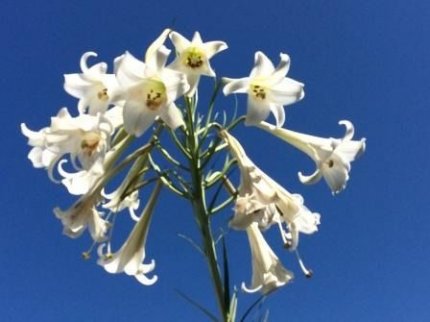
(129, 258)
(268, 274)
(332, 157)
(264, 201)
(83, 214)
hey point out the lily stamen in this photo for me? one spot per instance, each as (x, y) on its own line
(308, 272)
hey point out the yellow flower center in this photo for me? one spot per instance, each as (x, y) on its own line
(152, 92)
(193, 57)
(90, 142)
(258, 91)
(102, 95)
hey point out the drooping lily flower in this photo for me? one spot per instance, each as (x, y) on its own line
(193, 57)
(83, 214)
(129, 258)
(268, 89)
(79, 183)
(95, 89)
(268, 274)
(264, 201)
(85, 138)
(150, 89)
(332, 157)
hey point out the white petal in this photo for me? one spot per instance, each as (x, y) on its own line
(310, 179)
(279, 113)
(97, 226)
(172, 116)
(336, 177)
(180, 42)
(257, 111)
(197, 39)
(239, 85)
(282, 69)
(137, 118)
(75, 85)
(35, 138)
(159, 59)
(262, 65)
(156, 45)
(286, 92)
(143, 279)
(193, 81)
(130, 70)
(213, 47)
(176, 84)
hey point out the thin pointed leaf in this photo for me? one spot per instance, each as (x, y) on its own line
(197, 305)
(251, 307)
(226, 273)
(193, 243)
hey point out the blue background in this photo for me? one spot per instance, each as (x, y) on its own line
(366, 61)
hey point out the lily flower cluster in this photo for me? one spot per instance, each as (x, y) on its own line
(86, 149)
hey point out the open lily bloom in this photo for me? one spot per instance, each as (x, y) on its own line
(333, 157)
(85, 137)
(268, 274)
(129, 258)
(193, 57)
(150, 89)
(83, 214)
(95, 89)
(268, 89)
(264, 201)
(79, 183)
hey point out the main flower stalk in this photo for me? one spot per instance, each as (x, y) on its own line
(202, 216)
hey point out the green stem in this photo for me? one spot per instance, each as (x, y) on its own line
(201, 212)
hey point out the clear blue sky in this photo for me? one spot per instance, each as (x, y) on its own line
(366, 61)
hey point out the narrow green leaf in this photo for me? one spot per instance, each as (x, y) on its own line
(197, 305)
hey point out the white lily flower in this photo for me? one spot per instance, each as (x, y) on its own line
(150, 89)
(129, 258)
(332, 157)
(268, 89)
(79, 183)
(117, 199)
(264, 201)
(193, 57)
(85, 137)
(268, 274)
(83, 214)
(95, 89)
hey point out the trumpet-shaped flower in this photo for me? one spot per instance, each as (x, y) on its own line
(83, 214)
(129, 258)
(79, 183)
(95, 89)
(268, 89)
(333, 157)
(268, 274)
(264, 201)
(85, 137)
(150, 89)
(193, 57)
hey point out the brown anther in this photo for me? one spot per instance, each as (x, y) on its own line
(309, 274)
(330, 163)
(194, 61)
(103, 95)
(288, 244)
